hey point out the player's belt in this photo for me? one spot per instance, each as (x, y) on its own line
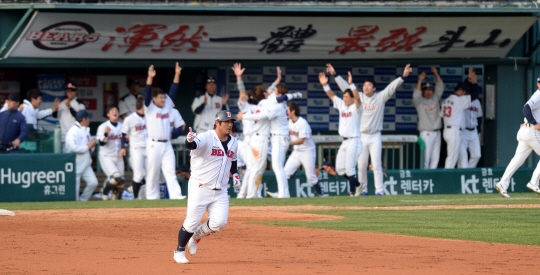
(160, 140)
(470, 129)
(450, 127)
(278, 135)
(346, 138)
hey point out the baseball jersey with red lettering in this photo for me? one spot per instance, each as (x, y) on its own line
(453, 110)
(176, 119)
(113, 145)
(135, 126)
(301, 129)
(349, 118)
(158, 119)
(210, 162)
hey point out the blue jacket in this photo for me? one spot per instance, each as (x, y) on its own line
(12, 126)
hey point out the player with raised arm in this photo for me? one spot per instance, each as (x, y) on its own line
(213, 157)
(426, 100)
(159, 151)
(350, 110)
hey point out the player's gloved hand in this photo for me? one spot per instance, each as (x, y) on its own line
(236, 181)
(297, 95)
(191, 136)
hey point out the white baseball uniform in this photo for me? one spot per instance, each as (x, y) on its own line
(159, 151)
(176, 122)
(245, 148)
(31, 114)
(66, 116)
(528, 140)
(302, 154)
(349, 129)
(210, 167)
(135, 126)
(109, 153)
(370, 127)
(128, 104)
(469, 137)
(77, 139)
(276, 113)
(204, 119)
(430, 124)
(453, 113)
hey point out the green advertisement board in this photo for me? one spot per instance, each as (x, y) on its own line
(37, 177)
(407, 182)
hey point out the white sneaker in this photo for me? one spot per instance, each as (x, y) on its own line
(272, 194)
(192, 246)
(502, 191)
(534, 188)
(180, 198)
(359, 189)
(180, 257)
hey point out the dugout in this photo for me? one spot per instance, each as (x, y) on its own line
(508, 59)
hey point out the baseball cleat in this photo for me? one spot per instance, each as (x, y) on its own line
(272, 194)
(359, 189)
(363, 194)
(534, 188)
(502, 191)
(180, 257)
(378, 194)
(192, 246)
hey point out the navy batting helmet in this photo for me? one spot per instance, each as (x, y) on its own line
(224, 116)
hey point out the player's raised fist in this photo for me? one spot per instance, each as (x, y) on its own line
(151, 71)
(191, 135)
(330, 69)
(177, 69)
(278, 70)
(350, 78)
(236, 181)
(422, 76)
(434, 70)
(297, 95)
(407, 70)
(323, 79)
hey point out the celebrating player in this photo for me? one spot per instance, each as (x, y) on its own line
(426, 102)
(452, 111)
(350, 110)
(213, 156)
(67, 110)
(159, 149)
(304, 148)
(134, 127)
(109, 135)
(527, 142)
(470, 137)
(127, 105)
(207, 106)
(31, 111)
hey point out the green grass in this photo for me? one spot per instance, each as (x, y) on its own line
(368, 201)
(499, 225)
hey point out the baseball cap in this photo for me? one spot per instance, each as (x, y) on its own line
(462, 86)
(82, 114)
(426, 86)
(328, 163)
(224, 116)
(71, 87)
(183, 168)
(14, 97)
(210, 79)
(133, 81)
(538, 79)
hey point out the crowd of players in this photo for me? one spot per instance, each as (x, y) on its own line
(146, 124)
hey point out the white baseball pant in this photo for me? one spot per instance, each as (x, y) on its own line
(528, 140)
(372, 147)
(202, 198)
(248, 153)
(111, 165)
(452, 136)
(259, 148)
(280, 144)
(137, 162)
(304, 158)
(470, 141)
(89, 177)
(160, 156)
(432, 152)
(347, 155)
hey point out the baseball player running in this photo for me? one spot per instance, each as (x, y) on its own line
(78, 141)
(528, 141)
(304, 147)
(470, 138)
(159, 151)
(213, 157)
(371, 126)
(426, 100)
(350, 110)
(109, 135)
(134, 127)
(453, 114)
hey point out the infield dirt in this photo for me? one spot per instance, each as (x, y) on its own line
(141, 241)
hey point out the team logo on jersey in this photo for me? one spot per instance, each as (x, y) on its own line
(218, 106)
(293, 133)
(349, 114)
(113, 137)
(140, 127)
(370, 107)
(220, 153)
(162, 116)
